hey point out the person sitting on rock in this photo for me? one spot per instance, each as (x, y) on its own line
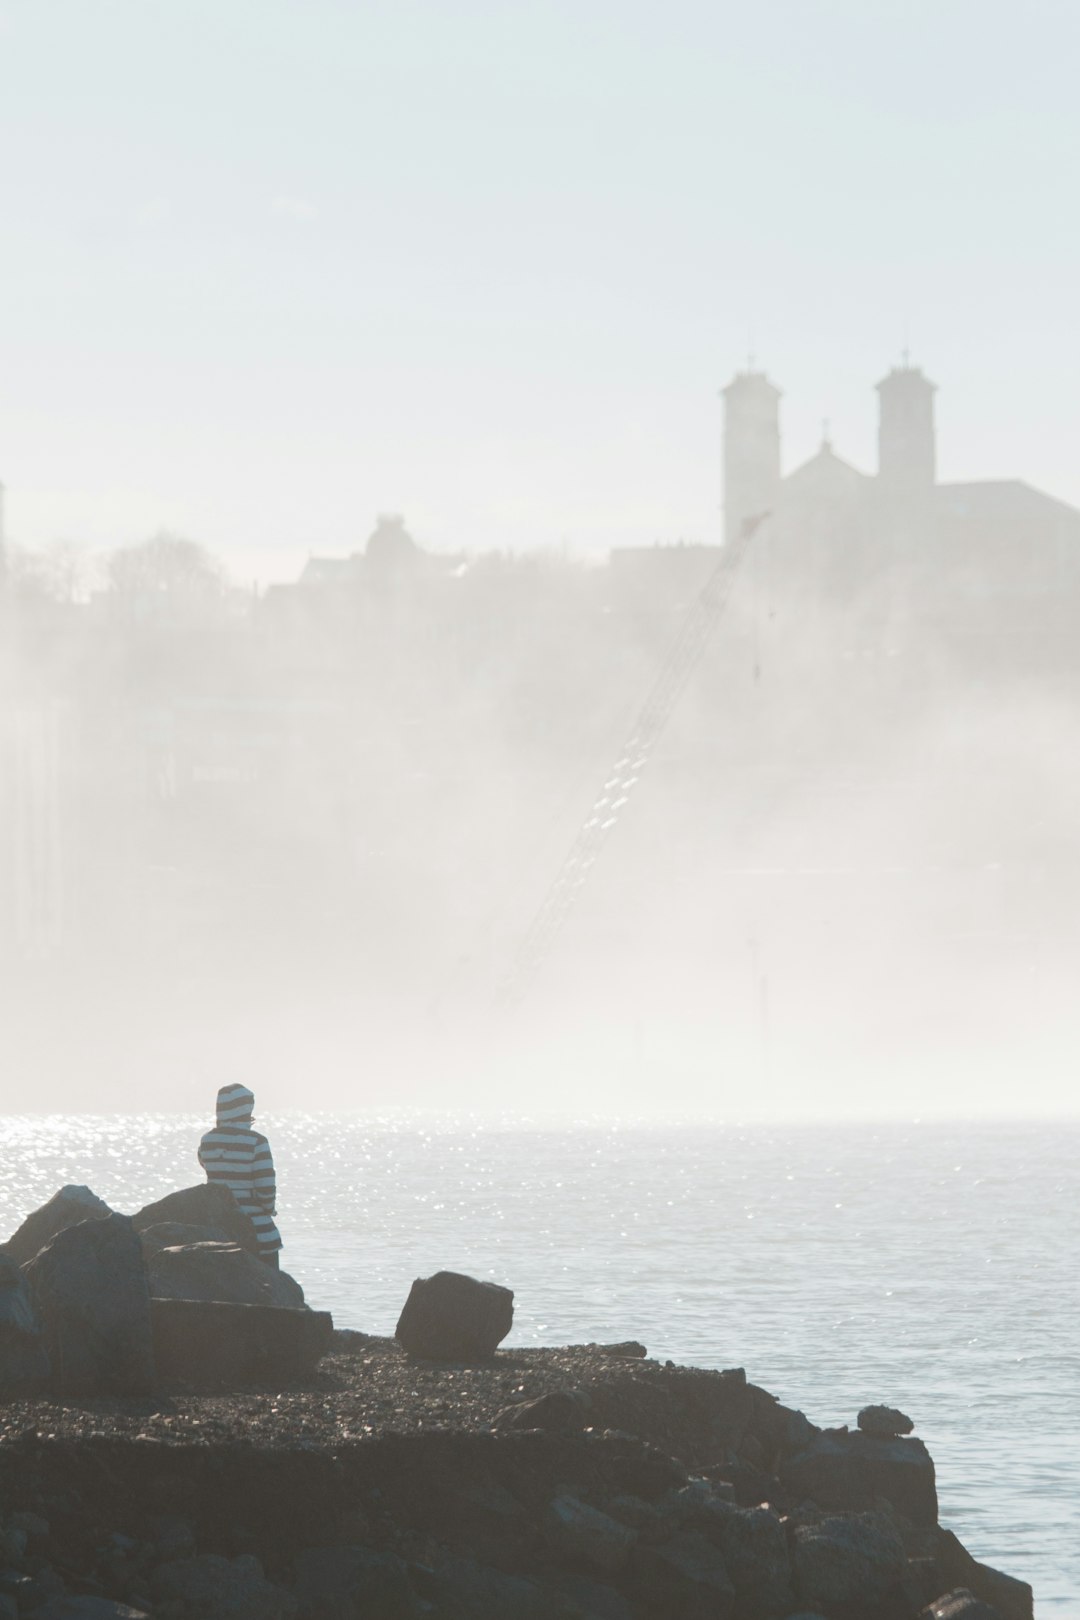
(239, 1158)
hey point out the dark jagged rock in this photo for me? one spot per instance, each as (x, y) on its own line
(852, 1567)
(220, 1271)
(24, 1363)
(850, 1471)
(65, 1208)
(89, 1288)
(209, 1345)
(450, 1317)
(208, 1204)
(884, 1421)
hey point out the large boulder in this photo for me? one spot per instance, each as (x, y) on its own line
(587, 1538)
(89, 1288)
(221, 1589)
(222, 1271)
(849, 1472)
(212, 1346)
(65, 1208)
(208, 1205)
(24, 1363)
(449, 1317)
(686, 1575)
(852, 1567)
(339, 1583)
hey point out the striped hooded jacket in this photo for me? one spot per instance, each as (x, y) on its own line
(239, 1158)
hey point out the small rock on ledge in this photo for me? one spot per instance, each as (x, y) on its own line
(885, 1421)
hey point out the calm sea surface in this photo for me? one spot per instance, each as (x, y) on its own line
(931, 1267)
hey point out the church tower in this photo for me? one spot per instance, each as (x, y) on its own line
(751, 449)
(906, 451)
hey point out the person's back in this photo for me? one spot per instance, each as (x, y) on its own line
(238, 1157)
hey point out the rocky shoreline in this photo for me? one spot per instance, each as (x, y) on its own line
(574, 1483)
(355, 1481)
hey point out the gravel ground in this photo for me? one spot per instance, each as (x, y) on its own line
(367, 1388)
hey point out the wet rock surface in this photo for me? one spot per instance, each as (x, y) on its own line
(377, 1485)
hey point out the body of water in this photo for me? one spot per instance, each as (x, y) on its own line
(931, 1267)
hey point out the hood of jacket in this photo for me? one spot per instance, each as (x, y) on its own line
(235, 1106)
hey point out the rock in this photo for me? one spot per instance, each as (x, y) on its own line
(222, 1271)
(1014, 1599)
(31, 1592)
(89, 1289)
(13, 1545)
(462, 1589)
(700, 1504)
(885, 1421)
(775, 1431)
(625, 1350)
(684, 1576)
(352, 1581)
(173, 1538)
(559, 1412)
(34, 1526)
(208, 1204)
(222, 1589)
(586, 1599)
(24, 1361)
(959, 1605)
(65, 1208)
(855, 1564)
(755, 1548)
(208, 1345)
(449, 1317)
(849, 1472)
(88, 1608)
(172, 1234)
(587, 1538)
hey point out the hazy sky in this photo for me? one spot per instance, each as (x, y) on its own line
(268, 267)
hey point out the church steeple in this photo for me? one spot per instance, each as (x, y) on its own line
(906, 448)
(751, 448)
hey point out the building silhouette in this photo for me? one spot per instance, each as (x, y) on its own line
(989, 557)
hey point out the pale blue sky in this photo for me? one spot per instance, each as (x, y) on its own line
(270, 266)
